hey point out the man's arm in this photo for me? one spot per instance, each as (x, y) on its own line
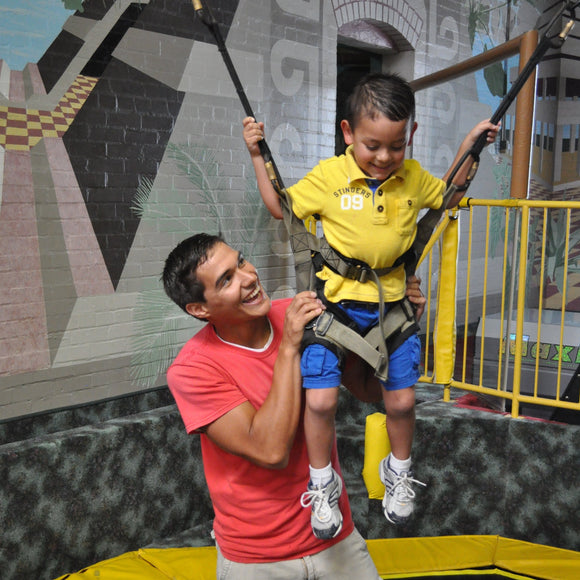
(415, 295)
(265, 436)
(253, 133)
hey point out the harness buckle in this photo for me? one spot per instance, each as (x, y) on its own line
(363, 275)
(323, 323)
(358, 273)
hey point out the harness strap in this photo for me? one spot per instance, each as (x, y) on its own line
(399, 324)
(329, 328)
(373, 347)
(429, 221)
(349, 267)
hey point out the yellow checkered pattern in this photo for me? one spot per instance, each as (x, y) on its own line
(21, 129)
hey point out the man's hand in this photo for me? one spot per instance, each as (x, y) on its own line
(415, 295)
(304, 307)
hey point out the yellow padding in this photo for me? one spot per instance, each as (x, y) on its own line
(445, 329)
(537, 560)
(398, 556)
(377, 447)
(154, 564)
(393, 558)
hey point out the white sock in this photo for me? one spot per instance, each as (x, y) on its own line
(320, 477)
(399, 465)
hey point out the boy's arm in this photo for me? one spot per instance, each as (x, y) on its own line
(468, 142)
(253, 133)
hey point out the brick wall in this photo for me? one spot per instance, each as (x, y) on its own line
(98, 184)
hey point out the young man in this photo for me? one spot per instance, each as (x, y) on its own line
(237, 383)
(368, 201)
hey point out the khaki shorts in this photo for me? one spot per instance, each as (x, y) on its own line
(348, 560)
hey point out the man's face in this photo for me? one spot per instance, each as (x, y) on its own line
(233, 292)
(379, 144)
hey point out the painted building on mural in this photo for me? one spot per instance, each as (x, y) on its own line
(122, 136)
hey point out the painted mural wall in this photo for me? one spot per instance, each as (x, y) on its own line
(120, 135)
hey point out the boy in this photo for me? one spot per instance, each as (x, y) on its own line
(368, 202)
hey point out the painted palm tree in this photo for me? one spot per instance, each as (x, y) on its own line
(156, 318)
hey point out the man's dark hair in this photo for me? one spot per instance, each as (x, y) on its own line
(179, 274)
(387, 94)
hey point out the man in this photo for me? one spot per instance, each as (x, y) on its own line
(237, 383)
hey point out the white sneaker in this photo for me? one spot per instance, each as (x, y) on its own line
(399, 499)
(326, 519)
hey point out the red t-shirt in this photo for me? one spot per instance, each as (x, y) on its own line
(258, 516)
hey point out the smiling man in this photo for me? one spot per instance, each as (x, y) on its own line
(237, 383)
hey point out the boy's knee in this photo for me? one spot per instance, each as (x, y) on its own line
(400, 403)
(322, 401)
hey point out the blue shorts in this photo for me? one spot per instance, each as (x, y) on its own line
(320, 369)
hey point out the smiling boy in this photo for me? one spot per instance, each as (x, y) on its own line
(368, 201)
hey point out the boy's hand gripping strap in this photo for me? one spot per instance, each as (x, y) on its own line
(303, 243)
(427, 223)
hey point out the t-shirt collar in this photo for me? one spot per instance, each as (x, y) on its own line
(263, 349)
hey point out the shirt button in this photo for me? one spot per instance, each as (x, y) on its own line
(379, 192)
(380, 208)
(409, 202)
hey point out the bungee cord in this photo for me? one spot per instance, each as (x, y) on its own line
(427, 223)
(306, 246)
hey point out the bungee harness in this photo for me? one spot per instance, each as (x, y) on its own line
(333, 328)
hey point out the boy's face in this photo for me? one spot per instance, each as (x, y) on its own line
(379, 144)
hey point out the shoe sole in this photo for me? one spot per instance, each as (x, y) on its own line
(328, 536)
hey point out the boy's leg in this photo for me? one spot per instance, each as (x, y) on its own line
(399, 399)
(321, 377)
(400, 411)
(319, 413)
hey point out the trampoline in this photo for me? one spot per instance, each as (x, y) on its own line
(447, 557)
(490, 574)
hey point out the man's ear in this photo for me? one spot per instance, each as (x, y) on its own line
(411, 133)
(346, 132)
(197, 309)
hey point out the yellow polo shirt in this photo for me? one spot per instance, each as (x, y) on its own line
(375, 228)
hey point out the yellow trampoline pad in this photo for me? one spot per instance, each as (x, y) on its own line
(434, 557)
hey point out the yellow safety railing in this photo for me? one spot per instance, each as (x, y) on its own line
(515, 319)
(517, 306)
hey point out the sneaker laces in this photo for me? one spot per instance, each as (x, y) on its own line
(402, 487)
(321, 505)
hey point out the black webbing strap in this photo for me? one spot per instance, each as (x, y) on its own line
(306, 246)
(429, 221)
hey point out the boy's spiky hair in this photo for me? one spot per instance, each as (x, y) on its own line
(387, 94)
